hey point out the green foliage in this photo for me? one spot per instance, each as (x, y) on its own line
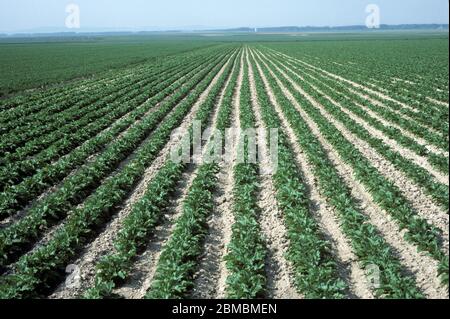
(178, 261)
(367, 244)
(145, 215)
(383, 191)
(89, 142)
(351, 101)
(310, 253)
(135, 231)
(411, 67)
(34, 63)
(16, 196)
(39, 266)
(246, 256)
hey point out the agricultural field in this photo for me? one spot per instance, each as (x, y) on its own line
(93, 204)
(41, 62)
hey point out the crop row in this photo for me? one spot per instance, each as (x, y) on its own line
(18, 169)
(246, 256)
(15, 197)
(7, 105)
(37, 113)
(147, 212)
(309, 252)
(415, 172)
(176, 266)
(63, 97)
(42, 128)
(433, 119)
(414, 95)
(44, 98)
(349, 100)
(41, 131)
(77, 186)
(27, 105)
(174, 276)
(368, 245)
(389, 114)
(384, 192)
(23, 116)
(38, 268)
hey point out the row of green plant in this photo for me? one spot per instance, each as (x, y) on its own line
(246, 255)
(68, 93)
(384, 192)
(435, 119)
(350, 101)
(20, 165)
(33, 271)
(42, 130)
(179, 258)
(174, 276)
(146, 214)
(44, 97)
(17, 196)
(37, 113)
(401, 80)
(315, 269)
(368, 245)
(37, 65)
(21, 141)
(389, 114)
(416, 173)
(406, 91)
(15, 238)
(19, 113)
(411, 96)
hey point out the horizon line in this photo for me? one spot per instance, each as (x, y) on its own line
(201, 29)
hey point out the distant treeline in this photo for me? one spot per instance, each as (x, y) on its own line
(286, 29)
(341, 28)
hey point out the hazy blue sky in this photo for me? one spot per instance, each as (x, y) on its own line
(18, 15)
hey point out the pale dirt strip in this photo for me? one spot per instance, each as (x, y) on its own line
(225, 210)
(145, 268)
(49, 233)
(438, 102)
(373, 101)
(219, 227)
(210, 282)
(325, 215)
(385, 122)
(52, 230)
(357, 85)
(420, 201)
(373, 83)
(420, 265)
(404, 152)
(103, 244)
(280, 273)
(12, 219)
